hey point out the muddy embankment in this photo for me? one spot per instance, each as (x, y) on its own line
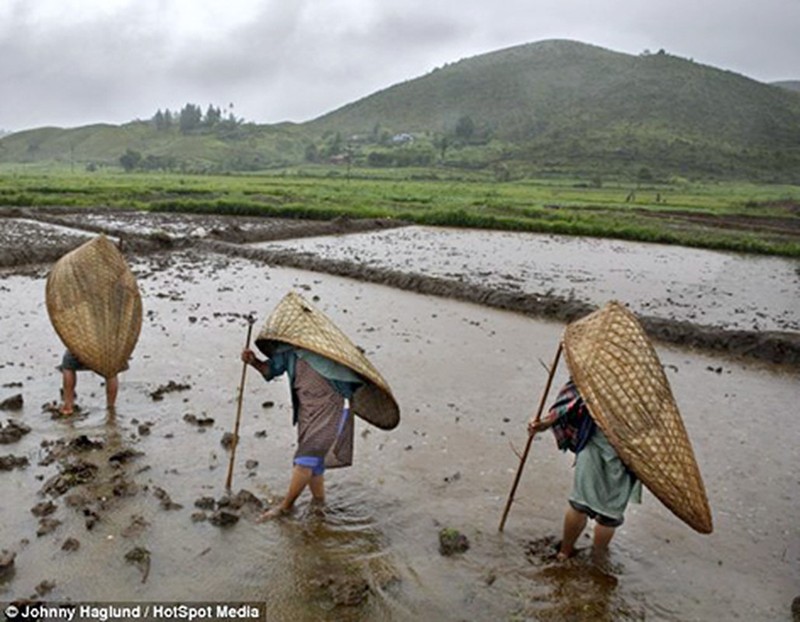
(777, 347)
(146, 232)
(152, 232)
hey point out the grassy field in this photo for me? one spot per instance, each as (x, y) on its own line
(732, 216)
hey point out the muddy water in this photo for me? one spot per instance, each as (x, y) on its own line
(726, 290)
(467, 379)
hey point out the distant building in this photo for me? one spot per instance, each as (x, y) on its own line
(402, 138)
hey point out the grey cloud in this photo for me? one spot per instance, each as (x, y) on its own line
(299, 59)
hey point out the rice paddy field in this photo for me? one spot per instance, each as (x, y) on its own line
(743, 217)
(130, 506)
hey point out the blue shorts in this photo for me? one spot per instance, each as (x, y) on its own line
(316, 464)
(70, 361)
(606, 521)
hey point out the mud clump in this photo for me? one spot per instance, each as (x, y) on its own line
(71, 545)
(45, 587)
(452, 541)
(72, 475)
(165, 500)
(136, 527)
(6, 563)
(60, 448)
(223, 518)
(139, 556)
(542, 550)
(241, 500)
(12, 403)
(12, 431)
(10, 462)
(124, 456)
(344, 591)
(228, 509)
(200, 422)
(45, 508)
(47, 526)
(205, 503)
(170, 387)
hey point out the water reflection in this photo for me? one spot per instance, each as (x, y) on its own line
(340, 560)
(582, 588)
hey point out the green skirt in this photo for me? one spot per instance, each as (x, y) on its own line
(602, 482)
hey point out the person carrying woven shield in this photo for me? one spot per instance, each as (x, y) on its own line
(321, 391)
(602, 487)
(331, 382)
(94, 304)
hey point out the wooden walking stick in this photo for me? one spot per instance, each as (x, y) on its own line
(530, 438)
(250, 321)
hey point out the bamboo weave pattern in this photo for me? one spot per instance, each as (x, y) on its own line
(619, 375)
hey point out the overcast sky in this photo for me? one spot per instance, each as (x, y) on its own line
(74, 62)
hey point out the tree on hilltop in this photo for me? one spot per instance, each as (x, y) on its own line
(190, 118)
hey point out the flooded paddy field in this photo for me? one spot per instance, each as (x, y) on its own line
(132, 507)
(722, 289)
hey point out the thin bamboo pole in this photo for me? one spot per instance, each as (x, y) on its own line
(530, 437)
(229, 479)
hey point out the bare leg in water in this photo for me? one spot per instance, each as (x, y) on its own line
(602, 538)
(301, 477)
(574, 524)
(69, 379)
(112, 387)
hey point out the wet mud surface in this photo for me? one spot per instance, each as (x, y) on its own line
(738, 305)
(139, 493)
(687, 296)
(44, 234)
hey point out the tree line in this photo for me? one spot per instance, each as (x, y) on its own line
(191, 119)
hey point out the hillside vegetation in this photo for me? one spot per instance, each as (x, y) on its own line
(552, 107)
(792, 85)
(568, 105)
(248, 147)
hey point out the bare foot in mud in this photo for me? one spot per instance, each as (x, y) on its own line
(61, 411)
(547, 550)
(563, 555)
(317, 507)
(278, 512)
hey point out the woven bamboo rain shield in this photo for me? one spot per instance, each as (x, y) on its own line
(295, 321)
(94, 305)
(620, 377)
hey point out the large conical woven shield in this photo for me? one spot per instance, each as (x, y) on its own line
(297, 322)
(620, 377)
(95, 307)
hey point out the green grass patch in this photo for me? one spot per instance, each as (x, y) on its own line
(569, 206)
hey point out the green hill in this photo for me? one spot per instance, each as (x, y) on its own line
(552, 106)
(792, 85)
(243, 147)
(570, 104)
